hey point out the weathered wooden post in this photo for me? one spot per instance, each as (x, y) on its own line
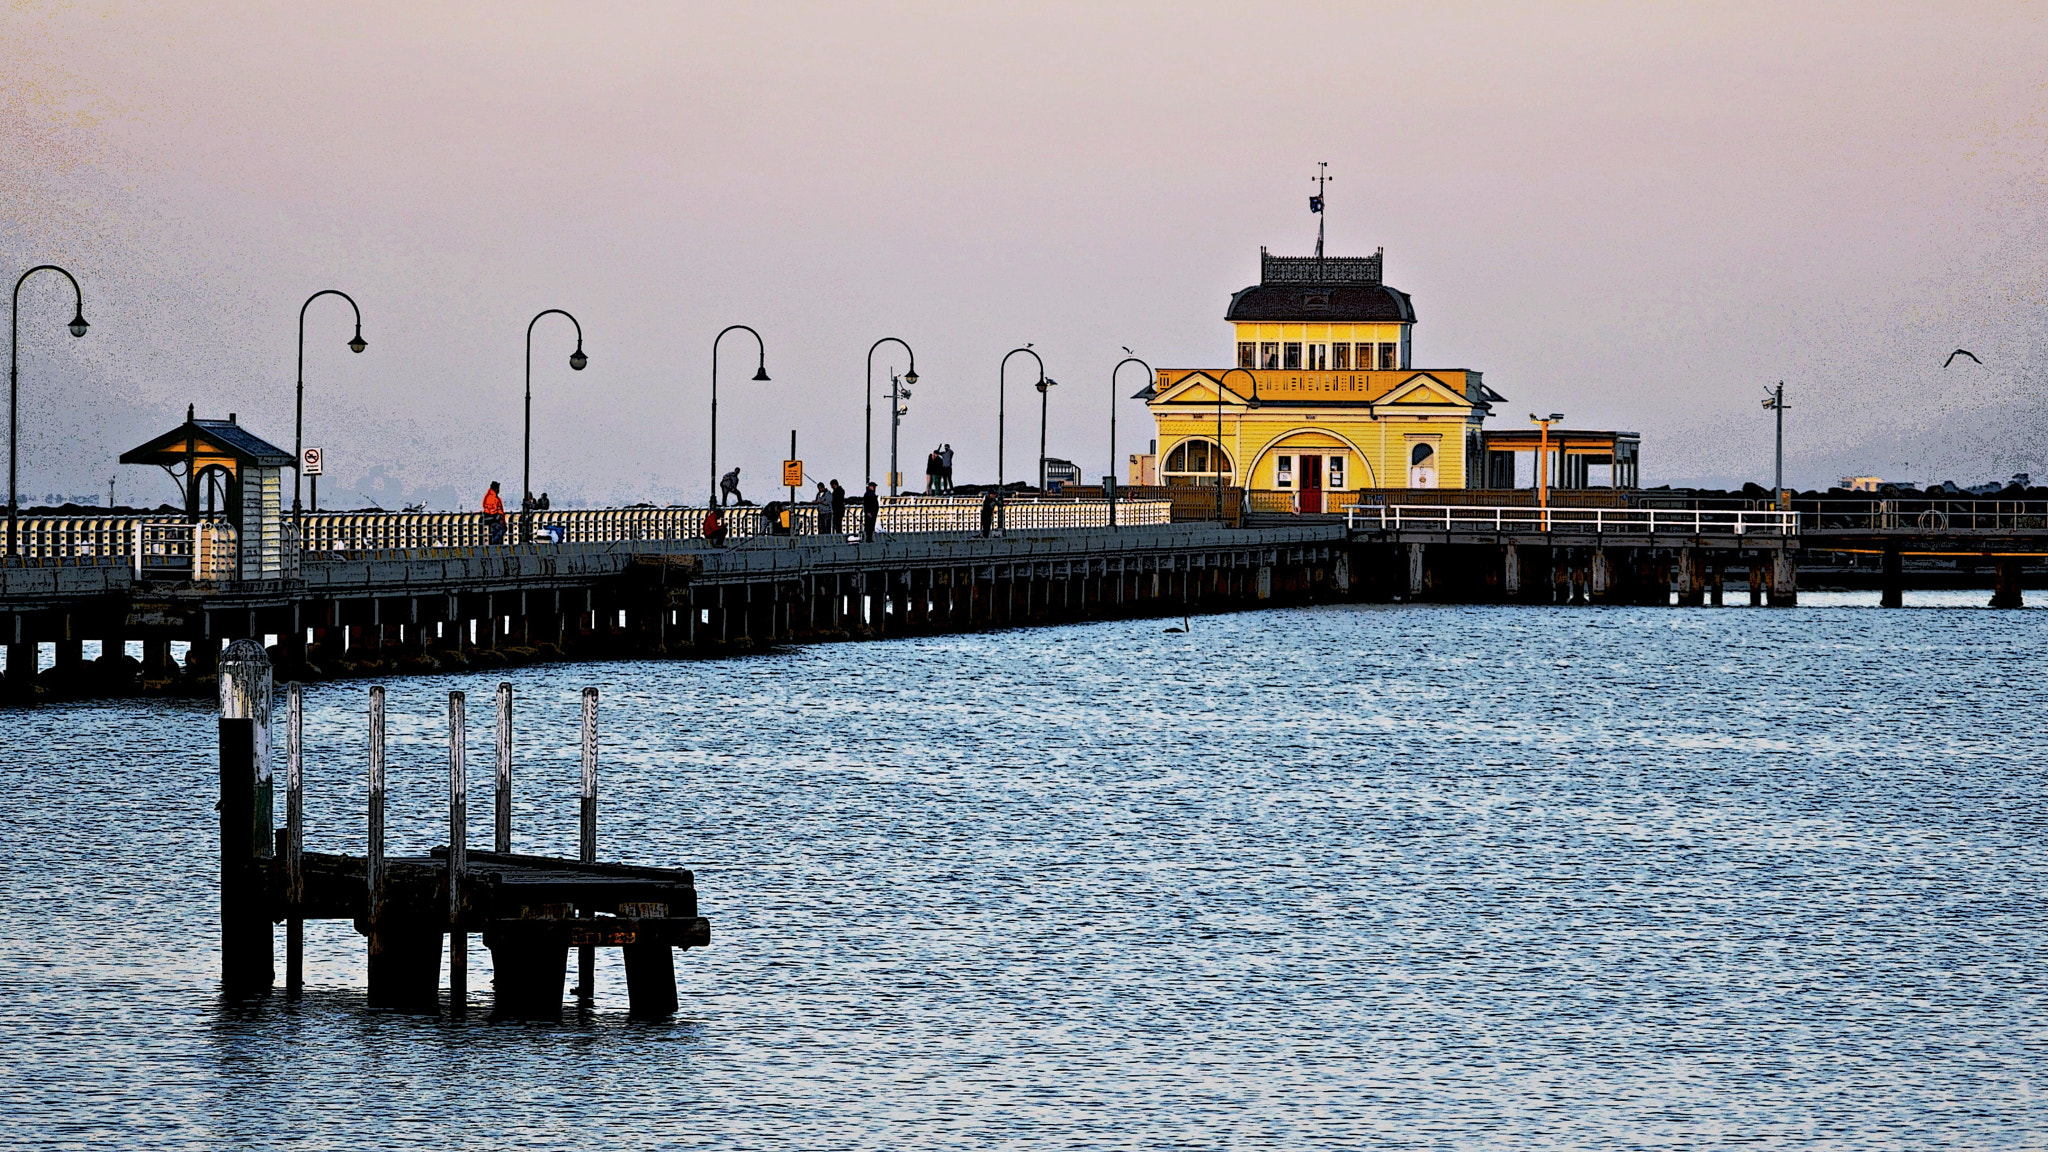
(586, 957)
(1893, 594)
(405, 937)
(294, 838)
(245, 821)
(502, 840)
(458, 849)
(2006, 585)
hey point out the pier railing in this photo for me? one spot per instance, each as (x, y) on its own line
(335, 534)
(1592, 521)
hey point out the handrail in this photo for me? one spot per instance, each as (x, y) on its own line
(1596, 521)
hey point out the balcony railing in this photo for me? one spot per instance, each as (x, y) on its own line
(1589, 521)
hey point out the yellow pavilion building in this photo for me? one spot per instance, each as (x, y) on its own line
(1324, 397)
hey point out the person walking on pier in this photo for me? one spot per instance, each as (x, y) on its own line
(729, 485)
(946, 468)
(838, 527)
(870, 511)
(494, 515)
(932, 469)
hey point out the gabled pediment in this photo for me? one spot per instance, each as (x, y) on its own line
(1198, 388)
(1423, 388)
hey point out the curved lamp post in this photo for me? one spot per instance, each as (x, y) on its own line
(1002, 414)
(299, 409)
(1219, 432)
(910, 377)
(78, 327)
(1110, 489)
(1045, 387)
(760, 373)
(576, 362)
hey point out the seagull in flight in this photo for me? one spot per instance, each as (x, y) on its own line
(1959, 352)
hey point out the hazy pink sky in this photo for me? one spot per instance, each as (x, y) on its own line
(1636, 216)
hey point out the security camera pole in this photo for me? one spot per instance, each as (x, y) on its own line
(1774, 401)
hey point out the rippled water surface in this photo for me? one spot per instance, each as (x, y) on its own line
(1399, 877)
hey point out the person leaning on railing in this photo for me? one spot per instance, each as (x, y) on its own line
(494, 515)
(714, 527)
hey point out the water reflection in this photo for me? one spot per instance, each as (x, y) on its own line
(1413, 877)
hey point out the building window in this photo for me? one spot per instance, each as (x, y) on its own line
(1269, 355)
(1390, 356)
(1195, 463)
(1247, 354)
(1318, 357)
(1340, 356)
(1336, 472)
(1283, 472)
(1290, 355)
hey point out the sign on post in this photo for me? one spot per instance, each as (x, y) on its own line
(792, 473)
(310, 461)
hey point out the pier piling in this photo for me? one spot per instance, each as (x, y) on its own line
(245, 821)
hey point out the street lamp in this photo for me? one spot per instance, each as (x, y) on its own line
(867, 460)
(576, 362)
(1002, 416)
(357, 344)
(1045, 386)
(78, 327)
(1543, 460)
(1774, 401)
(1109, 489)
(1219, 432)
(760, 373)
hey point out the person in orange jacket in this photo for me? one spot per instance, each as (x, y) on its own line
(494, 515)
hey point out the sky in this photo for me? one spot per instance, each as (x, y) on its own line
(1637, 215)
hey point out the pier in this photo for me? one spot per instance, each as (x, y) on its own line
(529, 910)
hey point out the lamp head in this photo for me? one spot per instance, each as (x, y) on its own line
(78, 324)
(358, 344)
(1555, 416)
(910, 377)
(577, 359)
(761, 373)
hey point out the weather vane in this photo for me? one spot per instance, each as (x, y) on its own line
(1315, 203)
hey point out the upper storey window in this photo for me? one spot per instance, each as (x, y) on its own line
(1318, 357)
(1247, 354)
(1269, 354)
(1390, 356)
(1290, 355)
(1340, 356)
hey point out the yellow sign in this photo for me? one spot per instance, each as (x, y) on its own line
(792, 473)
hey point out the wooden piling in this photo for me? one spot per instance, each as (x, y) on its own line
(586, 957)
(458, 849)
(245, 821)
(502, 838)
(405, 945)
(1893, 594)
(2006, 586)
(294, 838)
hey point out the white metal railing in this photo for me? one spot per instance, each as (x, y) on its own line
(347, 533)
(165, 547)
(1596, 521)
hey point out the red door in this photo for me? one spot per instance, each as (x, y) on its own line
(1311, 483)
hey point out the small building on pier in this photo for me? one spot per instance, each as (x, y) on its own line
(1572, 454)
(233, 481)
(1324, 395)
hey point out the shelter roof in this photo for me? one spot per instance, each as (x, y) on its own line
(1342, 303)
(216, 438)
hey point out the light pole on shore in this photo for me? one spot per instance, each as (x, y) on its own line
(78, 327)
(1774, 401)
(867, 460)
(356, 344)
(760, 373)
(1002, 410)
(576, 362)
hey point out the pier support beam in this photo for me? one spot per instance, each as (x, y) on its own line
(246, 963)
(1784, 579)
(1511, 571)
(2006, 593)
(1416, 573)
(1893, 594)
(1690, 587)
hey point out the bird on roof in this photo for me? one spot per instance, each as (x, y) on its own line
(1959, 352)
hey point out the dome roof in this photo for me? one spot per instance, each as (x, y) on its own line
(1344, 303)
